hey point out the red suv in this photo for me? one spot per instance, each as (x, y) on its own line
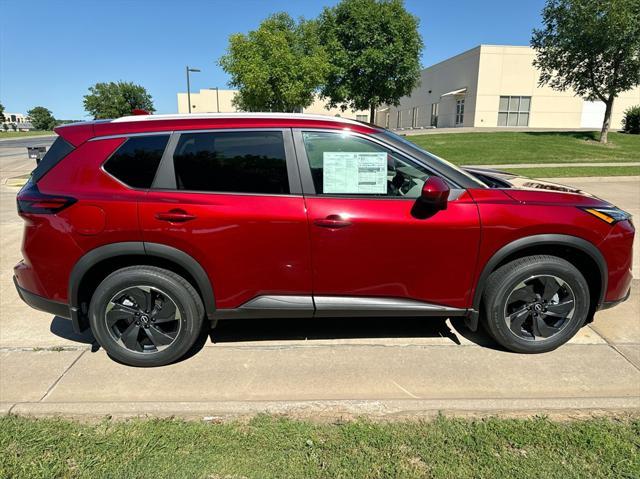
(146, 228)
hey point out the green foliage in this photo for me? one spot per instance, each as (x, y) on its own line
(2, 117)
(277, 67)
(116, 99)
(631, 120)
(375, 47)
(41, 118)
(590, 46)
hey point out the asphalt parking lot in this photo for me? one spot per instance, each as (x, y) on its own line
(378, 367)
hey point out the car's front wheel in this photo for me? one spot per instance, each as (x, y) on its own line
(536, 303)
(146, 316)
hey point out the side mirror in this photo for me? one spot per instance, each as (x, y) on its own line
(435, 193)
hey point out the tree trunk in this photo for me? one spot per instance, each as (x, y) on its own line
(607, 120)
(372, 114)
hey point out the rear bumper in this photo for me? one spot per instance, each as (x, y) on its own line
(42, 304)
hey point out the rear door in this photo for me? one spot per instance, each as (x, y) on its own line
(232, 200)
(373, 247)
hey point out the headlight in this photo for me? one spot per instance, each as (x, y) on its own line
(609, 215)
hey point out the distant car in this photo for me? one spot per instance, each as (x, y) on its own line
(148, 228)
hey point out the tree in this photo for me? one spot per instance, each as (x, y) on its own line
(277, 67)
(41, 118)
(2, 117)
(116, 99)
(375, 47)
(591, 46)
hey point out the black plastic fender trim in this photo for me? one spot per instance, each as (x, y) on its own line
(536, 240)
(91, 258)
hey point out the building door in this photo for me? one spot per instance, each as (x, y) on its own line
(459, 112)
(434, 115)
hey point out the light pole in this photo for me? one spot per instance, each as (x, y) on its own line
(189, 85)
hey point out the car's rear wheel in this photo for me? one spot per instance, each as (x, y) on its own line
(146, 316)
(536, 303)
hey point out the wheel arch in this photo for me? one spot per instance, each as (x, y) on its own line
(96, 264)
(580, 252)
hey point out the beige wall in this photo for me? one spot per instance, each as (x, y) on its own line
(491, 71)
(453, 74)
(509, 70)
(206, 101)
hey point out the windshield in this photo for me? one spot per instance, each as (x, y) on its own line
(413, 146)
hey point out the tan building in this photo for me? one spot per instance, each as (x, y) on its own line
(216, 100)
(496, 86)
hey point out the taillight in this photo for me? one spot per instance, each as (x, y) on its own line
(31, 201)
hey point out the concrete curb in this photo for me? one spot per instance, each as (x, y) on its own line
(333, 410)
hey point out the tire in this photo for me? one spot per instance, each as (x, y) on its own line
(523, 324)
(146, 316)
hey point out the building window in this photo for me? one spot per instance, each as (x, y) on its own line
(414, 117)
(386, 120)
(363, 118)
(399, 124)
(434, 115)
(459, 111)
(514, 110)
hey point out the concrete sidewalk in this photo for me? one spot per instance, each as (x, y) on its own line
(333, 369)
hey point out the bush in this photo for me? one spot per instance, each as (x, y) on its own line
(631, 120)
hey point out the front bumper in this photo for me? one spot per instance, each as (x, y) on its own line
(42, 304)
(611, 304)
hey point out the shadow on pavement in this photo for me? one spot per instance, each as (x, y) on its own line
(344, 328)
(246, 330)
(62, 328)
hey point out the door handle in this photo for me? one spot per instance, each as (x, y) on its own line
(332, 221)
(175, 216)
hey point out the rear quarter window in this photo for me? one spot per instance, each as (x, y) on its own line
(136, 161)
(52, 157)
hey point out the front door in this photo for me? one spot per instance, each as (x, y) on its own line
(368, 238)
(232, 200)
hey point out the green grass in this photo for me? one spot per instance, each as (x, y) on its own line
(575, 171)
(19, 134)
(529, 147)
(268, 447)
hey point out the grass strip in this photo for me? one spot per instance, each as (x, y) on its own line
(270, 447)
(21, 134)
(529, 147)
(575, 171)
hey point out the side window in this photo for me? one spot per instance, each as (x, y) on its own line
(345, 164)
(238, 162)
(136, 161)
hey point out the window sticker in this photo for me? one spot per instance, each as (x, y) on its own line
(355, 173)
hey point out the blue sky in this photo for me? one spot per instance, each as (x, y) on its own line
(52, 51)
